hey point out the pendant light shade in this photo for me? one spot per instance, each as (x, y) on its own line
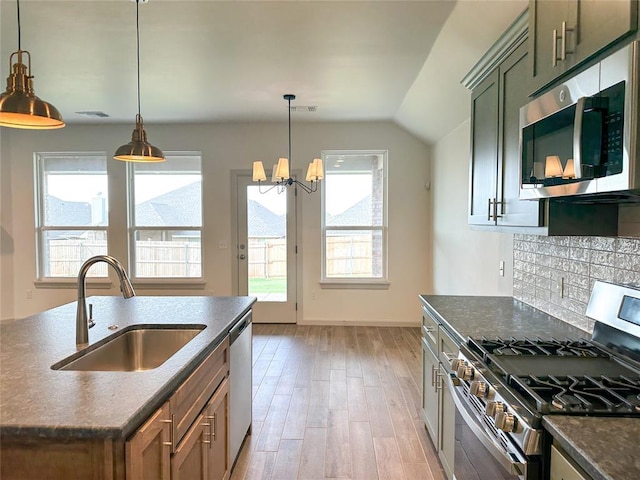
(139, 149)
(19, 106)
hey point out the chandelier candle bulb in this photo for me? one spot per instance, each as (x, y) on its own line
(258, 172)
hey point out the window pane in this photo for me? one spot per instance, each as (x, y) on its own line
(354, 190)
(267, 252)
(168, 194)
(354, 254)
(168, 253)
(64, 252)
(75, 191)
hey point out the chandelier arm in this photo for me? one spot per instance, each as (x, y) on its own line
(304, 187)
(268, 189)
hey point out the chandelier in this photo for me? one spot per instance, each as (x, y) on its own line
(281, 176)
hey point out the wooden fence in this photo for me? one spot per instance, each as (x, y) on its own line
(348, 255)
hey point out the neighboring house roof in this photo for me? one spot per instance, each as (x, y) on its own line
(179, 207)
(358, 214)
(66, 213)
(263, 223)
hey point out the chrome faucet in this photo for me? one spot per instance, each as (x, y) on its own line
(82, 323)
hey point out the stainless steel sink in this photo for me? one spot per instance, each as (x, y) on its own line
(133, 349)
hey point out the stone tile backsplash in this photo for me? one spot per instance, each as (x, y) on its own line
(556, 274)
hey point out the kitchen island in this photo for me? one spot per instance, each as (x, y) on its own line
(601, 446)
(40, 405)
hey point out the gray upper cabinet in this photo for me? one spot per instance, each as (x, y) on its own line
(565, 33)
(498, 92)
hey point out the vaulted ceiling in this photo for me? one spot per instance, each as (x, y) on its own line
(221, 61)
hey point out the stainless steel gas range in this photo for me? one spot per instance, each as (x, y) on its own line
(502, 387)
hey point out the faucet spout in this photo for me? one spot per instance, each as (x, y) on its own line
(82, 327)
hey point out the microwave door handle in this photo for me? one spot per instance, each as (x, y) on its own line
(577, 137)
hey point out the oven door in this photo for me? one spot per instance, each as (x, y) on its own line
(481, 455)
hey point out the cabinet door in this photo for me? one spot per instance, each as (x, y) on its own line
(545, 17)
(148, 452)
(447, 425)
(217, 418)
(484, 151)
(513, 95)
(189, 462)
(594, 24)
(602, 22)
(429, 394)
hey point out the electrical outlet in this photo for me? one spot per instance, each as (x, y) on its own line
(222, 244)
(501, 268)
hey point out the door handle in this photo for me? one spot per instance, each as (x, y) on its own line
(242, 256)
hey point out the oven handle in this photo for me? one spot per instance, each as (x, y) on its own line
(514, 466)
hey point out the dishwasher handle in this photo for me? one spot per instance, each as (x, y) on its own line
(239, 327)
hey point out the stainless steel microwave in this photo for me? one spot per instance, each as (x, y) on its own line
(582, 137)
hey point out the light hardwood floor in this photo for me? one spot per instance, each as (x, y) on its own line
(337, 402)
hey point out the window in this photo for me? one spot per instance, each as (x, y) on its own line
(166, 217)
(72, 206)
(354, 217)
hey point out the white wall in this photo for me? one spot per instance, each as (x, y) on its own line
(465, 261)
(6, 229)
(227, 147)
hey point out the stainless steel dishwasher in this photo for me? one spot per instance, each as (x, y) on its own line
(240, 363)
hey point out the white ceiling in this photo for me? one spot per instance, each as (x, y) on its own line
(213, 61)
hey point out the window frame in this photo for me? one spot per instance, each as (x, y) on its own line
(356, 282)
(162, 282)
(41, 280)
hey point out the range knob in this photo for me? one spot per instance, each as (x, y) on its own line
(467, 372)
(494, 408)
(455, 364)
(506, 422)
(478, 388)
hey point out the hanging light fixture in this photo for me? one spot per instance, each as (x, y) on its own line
(138, 149)
(281, 176)
(19, 106)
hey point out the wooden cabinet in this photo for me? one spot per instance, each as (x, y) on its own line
(187, 438)
(565, 33)
(564, 468)
(438, 409)
(148, 452)
(495, 146)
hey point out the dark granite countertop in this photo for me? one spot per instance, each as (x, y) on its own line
(604, 447)
(38, 401)
(474, 317)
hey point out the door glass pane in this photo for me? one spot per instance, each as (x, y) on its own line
(267, 248)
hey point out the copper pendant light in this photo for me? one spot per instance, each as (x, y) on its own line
(19, 106)
(139, 149)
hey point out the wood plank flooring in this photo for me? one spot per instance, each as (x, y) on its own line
(337, 402)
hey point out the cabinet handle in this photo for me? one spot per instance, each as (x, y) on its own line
(554, 49)
(564, 52)
(489, 209)
(439, 382)
(171, 432)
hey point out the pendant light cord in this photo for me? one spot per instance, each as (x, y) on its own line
(19, 34)
(138, 50)
(290, 159)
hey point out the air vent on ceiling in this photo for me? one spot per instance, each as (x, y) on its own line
(301, 108)
(93, 113)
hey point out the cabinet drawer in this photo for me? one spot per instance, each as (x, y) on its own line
(447, 348)
(563, 468)
(189, 400)
(430, 330)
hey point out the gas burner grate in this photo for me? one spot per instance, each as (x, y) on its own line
(538, 346)
(581, 394)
